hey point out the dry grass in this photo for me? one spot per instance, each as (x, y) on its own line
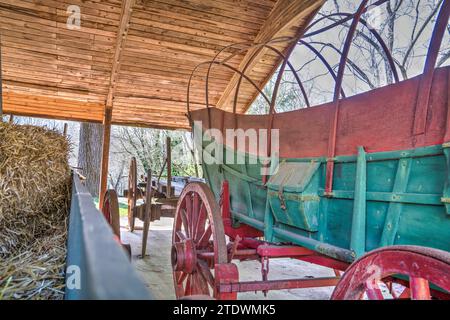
(34, 205)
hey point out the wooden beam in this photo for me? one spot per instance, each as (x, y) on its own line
(105, 155)
(23, 104)
(169, 167)
(153, 125)
(284, 15)
(132, 56)
(127, 8)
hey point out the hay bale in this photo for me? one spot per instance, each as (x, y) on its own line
(34, 205)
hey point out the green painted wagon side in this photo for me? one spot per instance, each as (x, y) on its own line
(379, 199)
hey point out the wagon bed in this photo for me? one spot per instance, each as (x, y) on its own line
(360, 185)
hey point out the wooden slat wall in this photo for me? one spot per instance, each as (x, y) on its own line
(52, 71)
(44, 60)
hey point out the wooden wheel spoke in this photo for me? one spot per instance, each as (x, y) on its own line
(195, 213)
(181, 277)
(195, 288)
(204, 239)
(181, 236)
(189, 206)
(194, 284)
(406, 294)
(201, 285)
(420, 288)
(200, 223)
(188, 288)
(373, 290)
(204, 271)
(185, 222)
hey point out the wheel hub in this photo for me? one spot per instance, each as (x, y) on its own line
(184, 256)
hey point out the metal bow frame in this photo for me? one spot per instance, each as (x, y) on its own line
(423, 95)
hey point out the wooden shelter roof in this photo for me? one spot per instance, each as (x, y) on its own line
(135, 56)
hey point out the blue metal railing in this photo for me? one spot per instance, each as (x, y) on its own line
(97, 267)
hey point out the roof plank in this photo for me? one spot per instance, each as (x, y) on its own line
(120, 42)
(135, 56)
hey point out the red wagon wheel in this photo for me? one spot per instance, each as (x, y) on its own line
(132, 193)
(110, 210)
(198, 242)
(422, 266)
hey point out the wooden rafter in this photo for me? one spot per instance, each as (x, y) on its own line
(284, 15)
(127, 8)
(136, 63)
(26, 104)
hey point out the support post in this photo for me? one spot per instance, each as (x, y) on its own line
(105, 154)
(358, 232)
(147, 211)
(169, 168)
(122, 32)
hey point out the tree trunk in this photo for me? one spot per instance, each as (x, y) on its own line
(89, 155)
(390, 41)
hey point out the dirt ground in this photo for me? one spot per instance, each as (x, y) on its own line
(156, 271)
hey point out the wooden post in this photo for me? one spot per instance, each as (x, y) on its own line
(169, 168)
(11, 118)
(147, 211)
(125, 16)
(65, 130)
(105, 154)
